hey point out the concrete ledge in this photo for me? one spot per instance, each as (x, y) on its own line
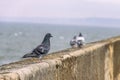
(95, 61)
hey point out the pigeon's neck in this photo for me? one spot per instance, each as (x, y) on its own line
(46, 41)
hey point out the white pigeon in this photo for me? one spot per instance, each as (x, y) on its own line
(80, 40)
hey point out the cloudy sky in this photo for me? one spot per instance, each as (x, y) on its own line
(59, 8)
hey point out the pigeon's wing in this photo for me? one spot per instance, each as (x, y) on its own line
(45, 49)
(81, 38)
(42, 49)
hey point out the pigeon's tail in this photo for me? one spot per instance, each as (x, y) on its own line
(31, 55)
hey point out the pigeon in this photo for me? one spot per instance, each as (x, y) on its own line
(73, 42)
(42, 49)
(80, 40)
(77, 41)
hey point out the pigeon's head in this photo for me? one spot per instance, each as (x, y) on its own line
(47, 38)
(80, 34)
(48, 35)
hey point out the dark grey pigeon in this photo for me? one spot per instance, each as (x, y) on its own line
(41, 49)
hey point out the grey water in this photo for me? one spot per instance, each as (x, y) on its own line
(17, 39)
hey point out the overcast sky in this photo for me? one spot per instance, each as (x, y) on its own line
(60, 8)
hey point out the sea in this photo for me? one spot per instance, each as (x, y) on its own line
(17, 39)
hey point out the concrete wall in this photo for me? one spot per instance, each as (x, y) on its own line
(95, 61)
(116, 60)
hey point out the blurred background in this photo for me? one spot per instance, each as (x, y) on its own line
(24, 23)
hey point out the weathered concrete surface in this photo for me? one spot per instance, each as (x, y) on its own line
(116, 60)
(95, 61)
